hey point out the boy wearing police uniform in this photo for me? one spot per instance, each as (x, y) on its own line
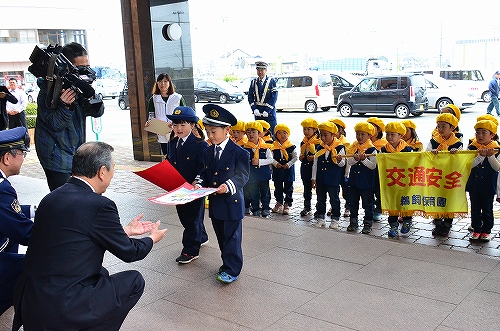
(226, 168)
(185, 153)
(262, 96)
(15, 222)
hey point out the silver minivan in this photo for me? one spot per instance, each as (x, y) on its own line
(308, 90)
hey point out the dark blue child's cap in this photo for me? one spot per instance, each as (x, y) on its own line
(183, 113)
(217, 116)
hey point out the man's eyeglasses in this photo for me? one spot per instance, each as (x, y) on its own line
(23, 153)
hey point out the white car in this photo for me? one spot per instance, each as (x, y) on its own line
(107, 88)
(441, 92)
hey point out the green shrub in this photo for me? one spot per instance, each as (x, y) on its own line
(30, 111)
(230, 78)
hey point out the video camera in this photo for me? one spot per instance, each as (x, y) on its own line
(51, 64)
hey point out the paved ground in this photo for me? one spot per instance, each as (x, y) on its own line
(298, 277)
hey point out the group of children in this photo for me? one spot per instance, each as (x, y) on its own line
(329, 163)
(332, 165)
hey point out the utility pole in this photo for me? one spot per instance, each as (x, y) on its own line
(179, 12)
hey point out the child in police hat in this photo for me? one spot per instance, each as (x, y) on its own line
(308, 147)
(328, 173)
(394, 132)
(185, 153)
(362, 173)
(227, 169)
(285, 156)
(257, 188)
(444, 139)
(483, 179)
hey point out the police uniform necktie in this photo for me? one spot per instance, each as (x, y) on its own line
(217, 153)
(179, 145)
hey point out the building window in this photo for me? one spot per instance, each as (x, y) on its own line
(62, 37)
(18, 36)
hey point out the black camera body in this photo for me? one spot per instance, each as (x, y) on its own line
(51, 64)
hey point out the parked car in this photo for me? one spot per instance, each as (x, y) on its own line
(308, 90)
(243, 84)
(123, 99)
(441, 92)
(220, 91)
(400, 94)
(32, 93)
(343, 82)
(107, 88)
(472, 79)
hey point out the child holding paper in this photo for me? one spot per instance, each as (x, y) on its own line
(185, 153)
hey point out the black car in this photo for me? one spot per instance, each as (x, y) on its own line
(220, 91)
(123, 99)
(400, 94)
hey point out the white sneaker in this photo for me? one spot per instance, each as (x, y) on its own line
(334, 225)
(320, 222)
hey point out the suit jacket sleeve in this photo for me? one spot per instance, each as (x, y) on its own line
(108, 233)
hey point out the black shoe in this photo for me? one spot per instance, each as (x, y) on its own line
(184, 258)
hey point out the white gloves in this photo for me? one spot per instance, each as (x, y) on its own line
(265, 114)
(256, 112)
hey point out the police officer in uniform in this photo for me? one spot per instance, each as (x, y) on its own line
(15, 219)
(262, 96)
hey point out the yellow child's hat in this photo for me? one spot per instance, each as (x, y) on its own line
(365, 127)
(282, 127)
(254, 125)
(448, 118)
(266, 126)
(455, 110)
(240, 126)
(487, 117)
(486, 124)
(409, 124)
(309, 123)
(377, 121)
(395, 127)
(338, 121)
(328, 126)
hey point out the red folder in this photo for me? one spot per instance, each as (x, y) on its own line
(163, 175)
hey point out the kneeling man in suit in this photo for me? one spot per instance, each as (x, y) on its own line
(63, 285)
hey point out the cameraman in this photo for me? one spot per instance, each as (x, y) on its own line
(60, 131)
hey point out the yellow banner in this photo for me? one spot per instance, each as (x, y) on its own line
(424, 184)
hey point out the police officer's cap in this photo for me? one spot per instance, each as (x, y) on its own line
(261, 65)
(217, 116)
(13, 139)
(183, 113)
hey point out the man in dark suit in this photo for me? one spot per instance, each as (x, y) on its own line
(185, 153)
(63, 285)
(15, 219)
(227, 168)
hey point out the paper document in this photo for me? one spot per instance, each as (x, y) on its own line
(157, 126)
(183, 194)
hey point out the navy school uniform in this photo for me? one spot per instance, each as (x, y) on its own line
(283, 178)
(361, 185)
(189, 161)
(227, 210)
(482, 189)
(15, 229)
(257, 189)
(306, 175)
(329, 176)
